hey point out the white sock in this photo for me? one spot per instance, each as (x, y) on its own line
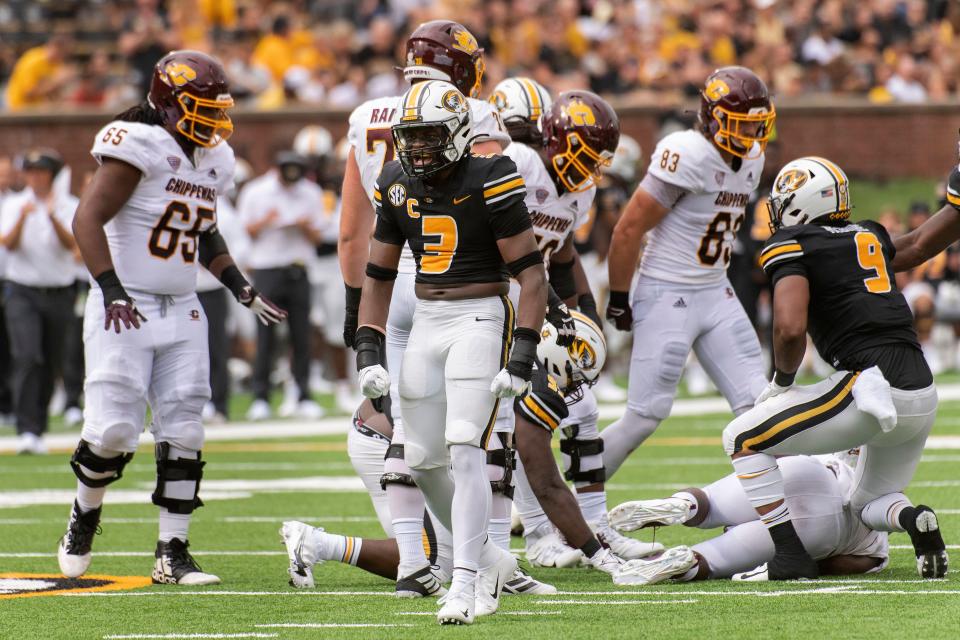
(499, 526)
(883, 513)
(344, 549)
(464, 580)
(470, 512)
(173, 525)
(409, 536)
(593, 506)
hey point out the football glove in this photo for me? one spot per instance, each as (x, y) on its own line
(267, 312)
(619, 312)
(514, 379)
(781, 383)
(559, 316)
(118, 305)
(508, 385)
(374, 381)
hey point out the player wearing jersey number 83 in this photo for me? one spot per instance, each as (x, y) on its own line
(463, 216)
(689, 206)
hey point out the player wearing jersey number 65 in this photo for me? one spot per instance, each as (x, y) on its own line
(144, 223)
(464, 218)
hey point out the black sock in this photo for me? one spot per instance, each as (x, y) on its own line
(785, 538)
(908, 518)
(591, 547)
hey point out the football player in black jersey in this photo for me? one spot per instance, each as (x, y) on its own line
(833, 278)
(464, 218)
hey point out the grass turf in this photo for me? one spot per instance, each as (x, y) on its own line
(254, 591)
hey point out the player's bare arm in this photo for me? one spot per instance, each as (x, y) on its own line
(532, 279)
(381, 272)
(927, 240)
(641, 214)
(111, 186)
(353, 244)
(791, 297)
(216, 258)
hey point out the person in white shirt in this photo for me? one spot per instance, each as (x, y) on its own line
(280, 210)
(39, 293)
(10, 184)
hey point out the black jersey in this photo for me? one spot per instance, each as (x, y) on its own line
(953, 188)
(857, 317)
(453, 228)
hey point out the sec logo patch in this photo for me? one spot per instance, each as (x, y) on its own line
(397, 195)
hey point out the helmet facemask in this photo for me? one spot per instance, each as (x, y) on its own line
(424, 149)
(204, 121)
(579, 167)
(739, 133)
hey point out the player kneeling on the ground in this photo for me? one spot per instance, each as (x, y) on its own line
(560, 374)
(145, 221)
(464, 218)
(832, 277)
(815, 491)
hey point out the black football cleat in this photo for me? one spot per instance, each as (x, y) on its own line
(73, 551)
(792, 566)
(175, 565)
(924, 530)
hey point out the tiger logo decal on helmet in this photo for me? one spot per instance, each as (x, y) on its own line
(521, 102)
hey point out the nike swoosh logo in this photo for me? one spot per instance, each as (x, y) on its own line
(496, 588)
(461, 198)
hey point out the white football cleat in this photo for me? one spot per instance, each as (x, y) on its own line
(175, 565)
(523, 584)
(73, 550)
(308, 410)
(638, 514)
(754, 575)
(259, 410)
(671, 564)
(302, 553)
(626, 548)
(607, 561)
(456, 608)
(550, 551)
(490, 581)
(422, 583)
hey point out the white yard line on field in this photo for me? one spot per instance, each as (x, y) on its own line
(230, 519)
(145, 554)
(615, 602)
(177, 636)
(331, 625)
(499, 613)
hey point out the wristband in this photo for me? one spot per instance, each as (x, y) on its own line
(619, 299)
(524, 353)
(353, 297)
(783, 379)
(233, 280)
(369, 345)
(111, 287)
(588, 307)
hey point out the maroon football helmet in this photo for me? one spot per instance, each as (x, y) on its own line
(580, 135)
(736, 112)
(191, 92)
(445, 50)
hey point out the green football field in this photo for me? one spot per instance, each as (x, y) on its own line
(252, 485)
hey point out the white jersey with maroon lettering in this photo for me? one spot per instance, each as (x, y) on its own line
(372, 142)
(555, 216)
(153, 238)
(692, 244)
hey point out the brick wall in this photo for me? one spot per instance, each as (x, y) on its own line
(868, 141)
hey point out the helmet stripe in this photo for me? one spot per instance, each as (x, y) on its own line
(411, 107)
(840, 181)
(536, 105)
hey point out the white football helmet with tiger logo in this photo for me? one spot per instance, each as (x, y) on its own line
(520, 102)
(434, 128)
(578, 364)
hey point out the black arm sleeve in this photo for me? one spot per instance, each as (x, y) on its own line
(562, 280)
(212, 245)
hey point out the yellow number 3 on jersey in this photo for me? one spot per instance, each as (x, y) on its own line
(437, 257)
(870, 257)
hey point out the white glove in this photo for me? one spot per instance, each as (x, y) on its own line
(374, 381)
(772, 389)
(507, 385)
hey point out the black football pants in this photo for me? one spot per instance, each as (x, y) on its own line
(216, 306)
(288, 288)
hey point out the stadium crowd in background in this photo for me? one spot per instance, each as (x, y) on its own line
(337, 53)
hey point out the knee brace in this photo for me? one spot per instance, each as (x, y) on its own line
(177, 470)
(392, 477)
(577, 451)
(84, 458)
(505, 458)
